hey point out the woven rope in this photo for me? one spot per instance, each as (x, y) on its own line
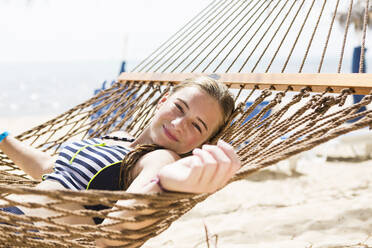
(306, 120)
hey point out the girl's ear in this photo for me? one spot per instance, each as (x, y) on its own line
(162, 100)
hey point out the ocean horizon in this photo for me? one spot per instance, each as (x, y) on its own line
(47, 88)
(51, 88)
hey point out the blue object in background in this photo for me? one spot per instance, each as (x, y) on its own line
(122, 68)
(103, 110)
(355, 69)
(258, 108)
(255, 111)
(356, 60)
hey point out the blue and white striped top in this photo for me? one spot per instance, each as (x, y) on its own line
(79, 162)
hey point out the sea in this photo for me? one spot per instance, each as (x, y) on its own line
(48, 88)
(51, 88)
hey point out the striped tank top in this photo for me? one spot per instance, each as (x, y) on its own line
(80, 162)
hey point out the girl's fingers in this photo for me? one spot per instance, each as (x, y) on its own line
(218, 163)
(223, 170)
(209, 165)
(218, 154)
(230, 152)
(196, 170)
(206, 157)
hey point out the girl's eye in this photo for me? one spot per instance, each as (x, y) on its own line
(179, 108)
(197, 127)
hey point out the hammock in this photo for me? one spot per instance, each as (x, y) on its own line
(306, 108)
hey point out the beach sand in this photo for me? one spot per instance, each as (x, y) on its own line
(322, 204)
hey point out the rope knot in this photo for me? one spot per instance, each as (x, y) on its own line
(323, 104)
(279, 96)
(266, 93)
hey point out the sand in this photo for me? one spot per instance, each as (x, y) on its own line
(321, 204)
(324, 205)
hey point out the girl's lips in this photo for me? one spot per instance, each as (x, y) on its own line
(169, 135)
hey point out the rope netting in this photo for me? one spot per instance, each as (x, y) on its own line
(266, 127)
(266, 36)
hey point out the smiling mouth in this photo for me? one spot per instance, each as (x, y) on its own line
(169, 135)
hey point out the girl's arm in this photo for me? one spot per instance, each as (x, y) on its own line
(150, 164)
(208, 170)
(32, 161)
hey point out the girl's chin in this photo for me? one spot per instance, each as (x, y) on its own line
(164, 144)
(168, 146)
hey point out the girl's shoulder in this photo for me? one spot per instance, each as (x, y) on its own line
(158, 158)
(164, 155)
(151, 163)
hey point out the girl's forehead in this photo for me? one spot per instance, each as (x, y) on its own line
(194, 96)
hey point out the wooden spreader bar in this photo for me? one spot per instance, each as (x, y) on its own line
(361, 83)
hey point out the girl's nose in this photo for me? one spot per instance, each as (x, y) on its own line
(179, 123)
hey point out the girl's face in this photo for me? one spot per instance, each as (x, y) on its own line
(185, 119)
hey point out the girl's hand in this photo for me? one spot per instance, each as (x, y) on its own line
(206, 171)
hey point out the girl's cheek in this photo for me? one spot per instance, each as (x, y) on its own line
(164, 115)
(193, 141)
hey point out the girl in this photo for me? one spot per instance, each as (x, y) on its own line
(186, 118)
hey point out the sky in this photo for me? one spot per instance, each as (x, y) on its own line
(48, 30)
(66, 30)
(102, 30)
(48, 47)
